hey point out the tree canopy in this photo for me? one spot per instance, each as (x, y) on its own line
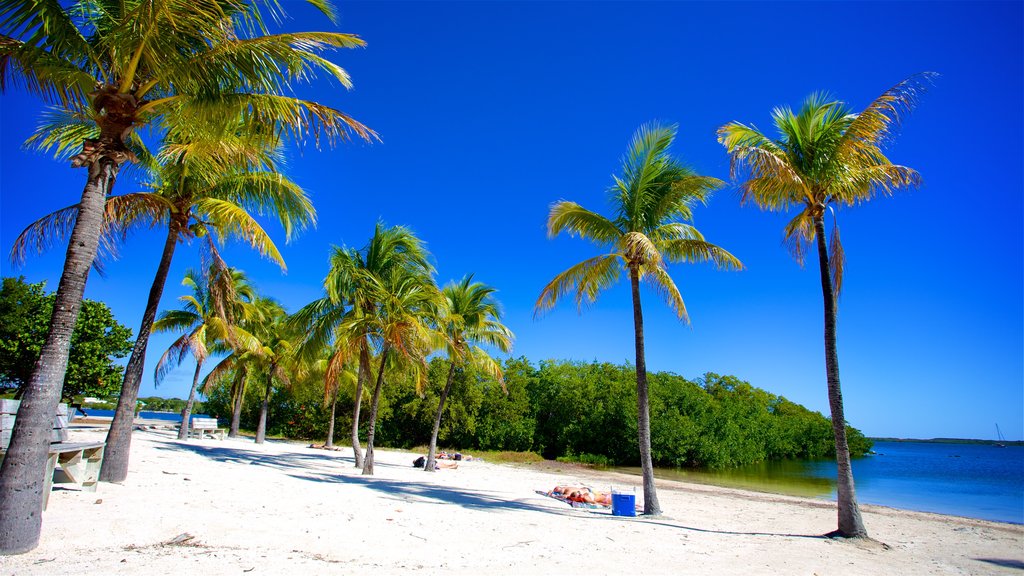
(98, 340)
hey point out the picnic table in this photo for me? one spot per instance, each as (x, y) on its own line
(79, 462)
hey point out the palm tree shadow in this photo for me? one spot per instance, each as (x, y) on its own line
(663, 521)
(1018, 564)
(320, 467)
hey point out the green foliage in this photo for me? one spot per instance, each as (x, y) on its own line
(575, 412)
(98, 339)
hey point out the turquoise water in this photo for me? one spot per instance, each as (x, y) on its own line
(973, 480)
(172, 416)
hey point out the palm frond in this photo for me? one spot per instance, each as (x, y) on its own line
(39, 72)
(798, 235)
(692, 250)
(587, 279)
(232, 220)
(658, 278)
(836, 260)
(875, 125)
(579, 221)
(172, 358)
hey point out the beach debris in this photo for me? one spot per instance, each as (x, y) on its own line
(524, 542)
(44, 560)
(98, 501)
(183, 539)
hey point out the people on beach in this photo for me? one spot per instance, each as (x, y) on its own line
(582, 494)
(422, 461)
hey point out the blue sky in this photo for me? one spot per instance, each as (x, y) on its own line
(491, 111)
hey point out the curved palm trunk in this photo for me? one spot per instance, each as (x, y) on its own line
(850, 523)
(186, 416)
(651, 505)
(119, 437)
(430, 466)
(364, 369)
(372, 428)
(23, 472)
(329, 443)
(261, 429)
(236, 411)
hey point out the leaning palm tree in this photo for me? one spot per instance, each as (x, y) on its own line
(827, 156)
(124, 65)
(274, 355)
(470, 316)
(349, 294)
(653, 201)
(203, 330)
(206, 186)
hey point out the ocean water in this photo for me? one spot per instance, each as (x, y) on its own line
(972, 480)
(171, 416)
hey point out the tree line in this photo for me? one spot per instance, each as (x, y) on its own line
(575, 410)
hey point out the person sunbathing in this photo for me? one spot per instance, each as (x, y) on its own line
(582, 494)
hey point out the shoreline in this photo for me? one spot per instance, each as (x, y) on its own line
(230, 506)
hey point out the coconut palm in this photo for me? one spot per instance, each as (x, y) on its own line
(124, 65)
(349, 294)
(470, 316)
(204, 329)
(826, 156)
(274, 355)
(207, 186)
(653, 201)
(403, 330)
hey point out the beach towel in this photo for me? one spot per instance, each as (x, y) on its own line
(558, 496)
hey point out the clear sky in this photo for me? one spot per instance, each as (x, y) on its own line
(491, 111)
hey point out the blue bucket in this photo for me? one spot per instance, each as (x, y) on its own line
(623, 504)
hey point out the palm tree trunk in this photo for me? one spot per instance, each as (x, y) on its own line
(651, 505)
(372, 428)
(119, 437)
(850, 523)
(23, 472)
(186, 415)
(362, 376)
(236, 412)
(330, 425)
(430, 466)
(261, 429)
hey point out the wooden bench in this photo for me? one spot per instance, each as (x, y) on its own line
(202, 426)
(79, 461)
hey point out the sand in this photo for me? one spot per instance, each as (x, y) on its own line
(234, 507)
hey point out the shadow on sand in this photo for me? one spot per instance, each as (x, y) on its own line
(332, 467)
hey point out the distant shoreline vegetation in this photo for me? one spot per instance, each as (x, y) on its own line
(951, 441)
(565, 410)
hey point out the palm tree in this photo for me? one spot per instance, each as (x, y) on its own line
(274, 354)
(207, 186)
(124, 65)
(827, 156)
(348, 296)
(470, 316)
(402, 328)
(204, 330)
(653, 201)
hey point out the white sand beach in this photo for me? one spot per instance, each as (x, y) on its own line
(233, 507)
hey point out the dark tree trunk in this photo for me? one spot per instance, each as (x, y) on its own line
(261, 429)
(186, 415)
(850, 523)
(329, 443)
(372, 428)
(236, 412)
(119, 437)
(362, 376)
(651, 505)
(23, 472)
(430, 466)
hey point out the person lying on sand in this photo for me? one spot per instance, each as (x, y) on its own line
(422, 461)
(582, 494)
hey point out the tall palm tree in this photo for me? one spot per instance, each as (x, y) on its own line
(203, 329)
(403, 330)
(273, 356)
(826, 156)
(470, 316)
(124, 65)
(206, 186)
(349, 294)
(653, 201)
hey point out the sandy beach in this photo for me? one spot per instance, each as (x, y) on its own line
(234, 507)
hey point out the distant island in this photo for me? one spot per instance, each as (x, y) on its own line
(950, 441)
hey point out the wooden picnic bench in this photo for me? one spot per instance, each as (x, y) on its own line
(201, 426)
(79, 461)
